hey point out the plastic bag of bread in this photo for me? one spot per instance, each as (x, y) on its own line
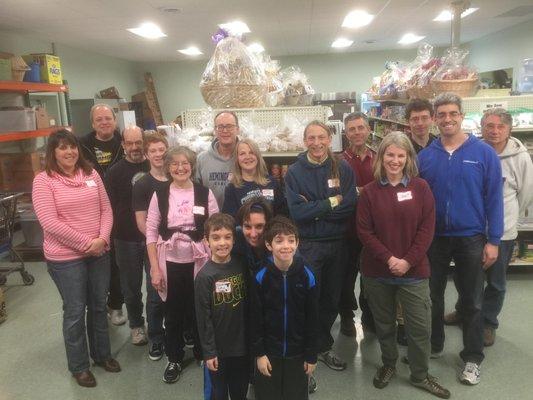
(233, 77)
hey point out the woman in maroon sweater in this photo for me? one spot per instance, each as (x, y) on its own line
(395, 223)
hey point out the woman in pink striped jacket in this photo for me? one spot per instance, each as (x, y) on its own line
(72, 207)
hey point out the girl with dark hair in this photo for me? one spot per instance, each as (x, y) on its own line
(74, 211)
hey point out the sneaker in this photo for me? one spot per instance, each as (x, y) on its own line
(489, 336)
(401, 337)
(348, 327)
(453, 318)
(188, 339)
(138, 336)
(436, 354)
(430, 384)
(332, 360)
(156, 351)
(172, 372)
(383, 376)
(311, 384)
(471, 374)
(117, 317)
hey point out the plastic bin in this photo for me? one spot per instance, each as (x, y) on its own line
(17, 120)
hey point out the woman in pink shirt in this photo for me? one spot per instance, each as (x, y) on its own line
(174, 233)
(73, 209)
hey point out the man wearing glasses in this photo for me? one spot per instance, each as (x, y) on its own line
(465, 176)
(419, 115)
(214, 165)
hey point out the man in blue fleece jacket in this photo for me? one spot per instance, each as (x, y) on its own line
(321, 196)
(465, 176)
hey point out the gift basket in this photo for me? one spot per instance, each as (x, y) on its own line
(420, 72)
(298, 91)
(233, 77)
(455, 76)
(386, 86)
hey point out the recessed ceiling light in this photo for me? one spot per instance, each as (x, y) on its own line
(256, 48)
(191, 51)
(235, 27)
(148, 30)
(409, 38)
(341, 43)
(169, 10)
(446, 15)
(357, 19)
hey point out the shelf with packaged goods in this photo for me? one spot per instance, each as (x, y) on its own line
(29, 87)
(15, 136)
(391, 121)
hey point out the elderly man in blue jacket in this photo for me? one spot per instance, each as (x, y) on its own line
(465, 176)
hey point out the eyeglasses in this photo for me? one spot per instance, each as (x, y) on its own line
(228, 127)
(453, 114)
(175, 164)
(424, 118)
(136, 143)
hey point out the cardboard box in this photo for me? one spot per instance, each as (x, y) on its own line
(110, 93)
(42, 118)
(5, 70)
(17, 120)
(18, 170)
(50, 67)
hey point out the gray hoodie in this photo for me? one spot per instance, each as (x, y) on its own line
(517, 170)
(212, 171)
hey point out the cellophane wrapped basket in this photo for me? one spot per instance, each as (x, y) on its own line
(233, 77)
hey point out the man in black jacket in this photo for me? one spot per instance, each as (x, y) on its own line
(102, 148)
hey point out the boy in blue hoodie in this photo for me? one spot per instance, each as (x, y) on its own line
(284, 318)
(465, 177)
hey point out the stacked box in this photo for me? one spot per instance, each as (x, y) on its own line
(50, 67)
(18, 170)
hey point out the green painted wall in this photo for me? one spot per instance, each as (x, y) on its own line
(86, 72)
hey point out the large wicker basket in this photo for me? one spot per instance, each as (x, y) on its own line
(421, 92)
(234, 96)
(461, 87)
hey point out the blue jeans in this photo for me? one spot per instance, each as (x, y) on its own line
(327, 260)
(467, 253)
(132, 260)
(496, 284)
(83, 284)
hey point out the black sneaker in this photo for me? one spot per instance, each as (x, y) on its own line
(332, 360)
(430, 384)
(401, 337)
(311, 384)
(348, 327)
(188, 339)
(156, 351)
(172, 372)
(383, 376)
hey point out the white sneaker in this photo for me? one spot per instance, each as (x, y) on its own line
(138, 336)
(471, 374)
(117, 317)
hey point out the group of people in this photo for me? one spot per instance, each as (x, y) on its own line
(256, 288)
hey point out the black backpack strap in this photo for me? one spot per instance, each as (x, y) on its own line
(163, 194)
(201, 199)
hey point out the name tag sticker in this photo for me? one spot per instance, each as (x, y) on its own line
(223, 287)
(199, 210)
(402, 196)
(268, 192)
(333, 183)
(91, 183)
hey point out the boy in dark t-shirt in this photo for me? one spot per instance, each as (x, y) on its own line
(220, 292)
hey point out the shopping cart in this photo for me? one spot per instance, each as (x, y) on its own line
(8, 210)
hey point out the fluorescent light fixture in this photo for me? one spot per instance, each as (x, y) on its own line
(357, 19)
(409, 38)
(256, 48)
(235, 27)
(191, 51)
(341, 43)
(148, 30)
(446, 15)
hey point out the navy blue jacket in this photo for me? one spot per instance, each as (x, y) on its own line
(234, 197)
(308, 188)
(284, 312)
(468, 189)
(242, 248)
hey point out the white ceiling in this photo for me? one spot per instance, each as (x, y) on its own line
(284, 27)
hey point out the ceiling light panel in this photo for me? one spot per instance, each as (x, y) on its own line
(341, 43)
(148, 30)
(410, 38)
(357, 19)
(256, 48)
(446, 15)
(235, 27)
(191, 51)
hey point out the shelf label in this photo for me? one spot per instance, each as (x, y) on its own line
(493, 104)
